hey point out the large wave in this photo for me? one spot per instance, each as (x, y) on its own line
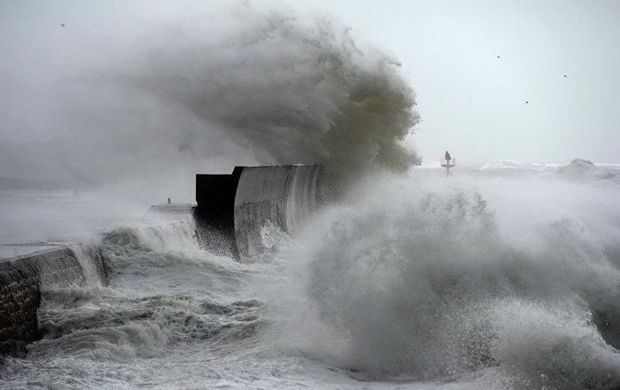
(236, 86)
(427, 285)
(289, 89)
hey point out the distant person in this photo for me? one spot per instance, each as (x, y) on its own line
(169, 201)
(447, 157)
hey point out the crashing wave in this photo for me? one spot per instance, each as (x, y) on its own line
(429, 287)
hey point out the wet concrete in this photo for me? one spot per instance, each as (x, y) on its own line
(26, 270)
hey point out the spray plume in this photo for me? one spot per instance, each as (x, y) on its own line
(290, 90)
(234, 86)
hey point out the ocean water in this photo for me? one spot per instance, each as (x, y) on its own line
(500, 277)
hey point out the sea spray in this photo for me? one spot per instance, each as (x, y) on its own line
(419, 282)
(415, 279)
(289, 88)
(242, 85)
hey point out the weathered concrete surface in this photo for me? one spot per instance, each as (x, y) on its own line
(24, 271)
(283, 196)
(12, 252)
(232, 209)
(173, 208)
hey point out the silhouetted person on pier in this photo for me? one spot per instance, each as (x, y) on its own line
(447, 157)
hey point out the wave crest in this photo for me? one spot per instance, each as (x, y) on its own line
(427, 287)
(288, 89)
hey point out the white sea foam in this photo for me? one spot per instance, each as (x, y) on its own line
(426, 279)
(460, 282)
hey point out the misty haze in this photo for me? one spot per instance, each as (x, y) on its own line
(313, 194)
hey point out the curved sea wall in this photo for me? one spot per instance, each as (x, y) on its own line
(282, 196)
(233, 209)
(27, 270)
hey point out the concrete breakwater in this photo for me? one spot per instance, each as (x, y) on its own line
(231, 214)
(26, 271)
(232, 209)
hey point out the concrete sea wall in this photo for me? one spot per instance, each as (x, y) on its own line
(232, 209)
(231, 212)
(26, 270)
(283, 196)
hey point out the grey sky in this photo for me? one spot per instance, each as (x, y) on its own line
(470, 101)
(474, 103)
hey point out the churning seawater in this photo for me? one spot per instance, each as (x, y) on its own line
(486, 279)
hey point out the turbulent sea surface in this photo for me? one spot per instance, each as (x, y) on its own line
(505, 277)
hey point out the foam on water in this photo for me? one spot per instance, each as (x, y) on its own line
(423, 279)
(417, 282)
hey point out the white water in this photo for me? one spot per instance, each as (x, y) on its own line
(473, 281)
